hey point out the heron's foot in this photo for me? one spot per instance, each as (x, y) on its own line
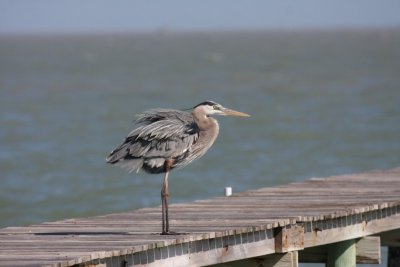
(172, 233)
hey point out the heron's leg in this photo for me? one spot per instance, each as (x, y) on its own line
(164, 198)
(162, 209)
(164, 204)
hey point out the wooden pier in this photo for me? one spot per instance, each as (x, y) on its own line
(340, 220)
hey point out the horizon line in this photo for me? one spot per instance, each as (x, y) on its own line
(166, 31)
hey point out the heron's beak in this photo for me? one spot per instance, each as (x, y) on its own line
(231, 112)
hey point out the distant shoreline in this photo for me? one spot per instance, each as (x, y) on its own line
(167, 32)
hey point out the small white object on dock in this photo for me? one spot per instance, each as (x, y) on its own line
(228, 191)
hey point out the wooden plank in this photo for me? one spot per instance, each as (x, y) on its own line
(359, 229)
(289, 238)
(368, 250)
(218, 255)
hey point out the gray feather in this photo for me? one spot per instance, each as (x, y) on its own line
(131, 165)
(158, 134)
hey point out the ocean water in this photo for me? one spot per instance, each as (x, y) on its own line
(322, 103)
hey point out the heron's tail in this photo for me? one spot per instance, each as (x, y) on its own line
(123, 159)
(127, 156)
(117, 154)
(131, 164)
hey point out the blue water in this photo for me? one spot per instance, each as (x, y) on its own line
(322, 103)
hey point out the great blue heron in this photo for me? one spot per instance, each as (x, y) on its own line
(164, 139)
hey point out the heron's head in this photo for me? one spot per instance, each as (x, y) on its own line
(213, 108)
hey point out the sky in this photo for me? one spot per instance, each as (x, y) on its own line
(56, 16)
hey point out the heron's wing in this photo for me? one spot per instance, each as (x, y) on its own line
(162, 124)
(159, 134)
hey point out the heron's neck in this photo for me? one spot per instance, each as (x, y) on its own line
(205, 122)
(209, 130)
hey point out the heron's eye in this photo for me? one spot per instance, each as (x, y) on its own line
(216, 107)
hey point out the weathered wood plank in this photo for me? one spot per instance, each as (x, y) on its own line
(289, 238)
(368, 250)
(323, 235)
